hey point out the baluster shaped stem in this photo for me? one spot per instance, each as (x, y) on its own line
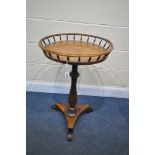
(72, 98)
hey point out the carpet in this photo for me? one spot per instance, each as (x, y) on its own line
(105, 131)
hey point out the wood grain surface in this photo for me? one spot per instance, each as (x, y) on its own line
(76, 48)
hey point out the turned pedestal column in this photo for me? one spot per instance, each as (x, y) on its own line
(71, 110)
(72, 98)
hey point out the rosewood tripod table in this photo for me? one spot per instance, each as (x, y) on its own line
(74, 49)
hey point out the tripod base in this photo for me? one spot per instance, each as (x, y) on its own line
(79, 109)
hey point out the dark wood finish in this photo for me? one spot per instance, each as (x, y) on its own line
(75, 52)
(71, 110)
(72, 100)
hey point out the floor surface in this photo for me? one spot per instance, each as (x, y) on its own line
(101, 132)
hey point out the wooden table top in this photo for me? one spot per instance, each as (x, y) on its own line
(76, 48)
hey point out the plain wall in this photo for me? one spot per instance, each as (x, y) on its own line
(105, 18)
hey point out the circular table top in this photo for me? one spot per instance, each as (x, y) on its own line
(75, 48)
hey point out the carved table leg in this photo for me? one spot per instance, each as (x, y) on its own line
(72, 99)
(71, 110)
